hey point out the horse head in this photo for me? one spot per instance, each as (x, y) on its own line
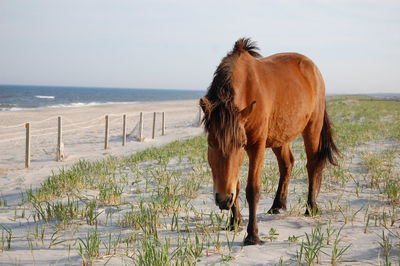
(227, 139)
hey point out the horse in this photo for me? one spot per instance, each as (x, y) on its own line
(254, 103)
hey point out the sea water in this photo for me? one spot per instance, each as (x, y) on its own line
(17, 97)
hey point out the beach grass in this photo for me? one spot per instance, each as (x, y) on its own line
(156, 206)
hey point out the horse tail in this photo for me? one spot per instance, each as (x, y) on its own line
(327, 148)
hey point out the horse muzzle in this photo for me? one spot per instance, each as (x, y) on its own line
(224, 203)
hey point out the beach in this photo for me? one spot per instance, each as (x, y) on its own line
(130, 205)
(84, 136)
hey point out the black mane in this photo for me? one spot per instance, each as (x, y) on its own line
(223, 121)
(221, 86)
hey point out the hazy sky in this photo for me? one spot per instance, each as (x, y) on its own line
(178, 44)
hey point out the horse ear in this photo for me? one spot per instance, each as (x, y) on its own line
(244, 114)
(205, 105)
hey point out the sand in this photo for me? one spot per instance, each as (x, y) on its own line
(339, 203)
(83, 137)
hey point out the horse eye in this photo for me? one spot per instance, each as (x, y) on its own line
(209, 145)
(244, 145)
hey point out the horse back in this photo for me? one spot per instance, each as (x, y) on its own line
(289, 92)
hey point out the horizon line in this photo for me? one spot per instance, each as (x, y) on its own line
(96, 87)
(176, 89)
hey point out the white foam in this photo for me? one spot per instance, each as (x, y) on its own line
(70, 105)
(79, 104)
(44, 97)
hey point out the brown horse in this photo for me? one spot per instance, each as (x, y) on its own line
(255, 103)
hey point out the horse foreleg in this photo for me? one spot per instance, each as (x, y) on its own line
(285, 161)
(236, 217)
(256, 159)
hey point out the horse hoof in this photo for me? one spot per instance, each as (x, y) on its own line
(274, 211)
(234, 226)
(312, 211)
(253, 240)
(231, 227)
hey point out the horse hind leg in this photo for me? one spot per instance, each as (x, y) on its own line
(285, 161)
(315, 165)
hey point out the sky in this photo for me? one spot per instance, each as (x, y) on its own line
(178, 44)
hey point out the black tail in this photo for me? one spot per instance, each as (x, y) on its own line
(327, 148)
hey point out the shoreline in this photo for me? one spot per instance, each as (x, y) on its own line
(83, 105)
(28, 97)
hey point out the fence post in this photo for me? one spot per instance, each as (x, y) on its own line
(124, 130)
(163, 123)
(154, 125)
(141, 127)
(107, 133)
(28, 146)
(60, 145)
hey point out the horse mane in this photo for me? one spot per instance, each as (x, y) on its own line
(223, 119)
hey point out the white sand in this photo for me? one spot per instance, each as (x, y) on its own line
(83, 137)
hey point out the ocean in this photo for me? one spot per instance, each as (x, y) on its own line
(17, 97)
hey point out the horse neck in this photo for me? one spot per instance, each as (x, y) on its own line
(244, 80)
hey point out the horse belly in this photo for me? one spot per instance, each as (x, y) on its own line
(284, 129)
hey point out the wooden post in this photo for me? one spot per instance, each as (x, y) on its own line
(141, 127)
(124, 130)
(199, 122)
(163, 123)
(154, 125)
(107, 133)
(28, 146)
(60, 144)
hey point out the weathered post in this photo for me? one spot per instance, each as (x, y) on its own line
(124, 130)
(106, 134)
(141, 127)
(154, 125)
(163, 124)
(28, 146)
(60, 144)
